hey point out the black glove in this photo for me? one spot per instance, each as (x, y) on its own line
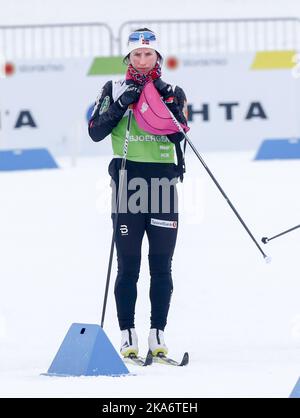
(130, 95)
(176, 137)
(163, 88)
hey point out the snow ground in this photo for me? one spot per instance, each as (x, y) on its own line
(238, 317)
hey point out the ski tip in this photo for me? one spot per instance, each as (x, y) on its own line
(166, 360)
(185, 359)
(149, 359)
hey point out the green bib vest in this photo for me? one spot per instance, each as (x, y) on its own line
(143, 146)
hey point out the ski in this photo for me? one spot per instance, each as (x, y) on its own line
(163, 359)
(139, 361)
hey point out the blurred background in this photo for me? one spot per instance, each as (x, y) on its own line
(241, 49)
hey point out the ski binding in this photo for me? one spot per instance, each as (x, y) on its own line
(139, 361)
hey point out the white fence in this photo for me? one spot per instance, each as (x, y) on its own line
(176, 37)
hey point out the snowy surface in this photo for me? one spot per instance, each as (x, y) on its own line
(238, 317)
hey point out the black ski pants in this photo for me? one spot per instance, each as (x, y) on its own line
(161, 230)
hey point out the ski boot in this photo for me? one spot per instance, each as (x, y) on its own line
(129, 343)
(157, 343)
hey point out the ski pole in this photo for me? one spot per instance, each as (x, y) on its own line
(265, 240)
(266, 258)
(119, 196)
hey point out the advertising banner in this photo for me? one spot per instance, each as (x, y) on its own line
(238, 100)
(235, 101)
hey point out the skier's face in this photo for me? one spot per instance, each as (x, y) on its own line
(143, 59)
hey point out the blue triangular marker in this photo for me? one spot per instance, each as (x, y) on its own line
(87, 351)
(296, 391)
(26, 159)
(279, 149)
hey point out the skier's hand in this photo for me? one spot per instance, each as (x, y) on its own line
(130, 95)
(176, 137)
(164, 89)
